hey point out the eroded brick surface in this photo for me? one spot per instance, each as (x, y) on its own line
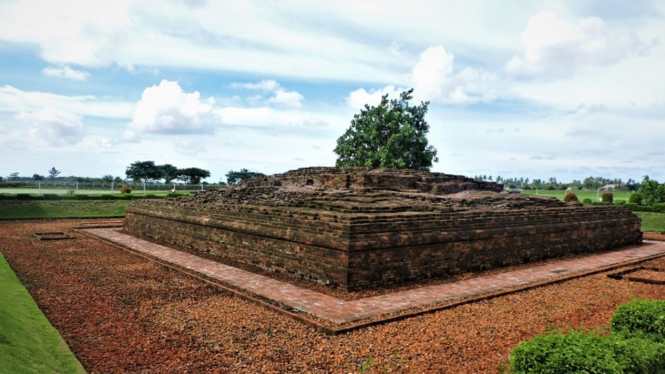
(340, 311)
(359, 228)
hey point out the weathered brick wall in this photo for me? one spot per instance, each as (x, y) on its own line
(359, 178)
(362, 250)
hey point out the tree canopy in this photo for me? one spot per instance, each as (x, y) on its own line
(53, 173)
(192, 175)
(234, 177)
(169, 172)
(38, 177)
(650, 192)
(143, 170)
(390, 135)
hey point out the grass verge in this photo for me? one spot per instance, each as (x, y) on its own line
(62, 209)
(28, 342)
(652, 221)
(581, 195)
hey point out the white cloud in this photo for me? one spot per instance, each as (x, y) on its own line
(166, 109)
(264, 85)
(557, 48)
(13, 99)
(283, 98)
(189, 146)
(433, 80)
(65, 72)
(53, 127)
(361, 97)
(280, 96)
(431, 72)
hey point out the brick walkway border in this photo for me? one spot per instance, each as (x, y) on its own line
(349, 315)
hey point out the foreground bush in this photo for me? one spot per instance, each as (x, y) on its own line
(635, 345)
(587, 201)
(641, 319)
(578, 352)
(570, 197)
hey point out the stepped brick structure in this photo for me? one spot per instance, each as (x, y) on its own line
(360, 228)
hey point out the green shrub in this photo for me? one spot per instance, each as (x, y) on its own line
(71, 192)
(6, 196)
(607, 197)
(600, 203)
(587, 201)
(51, 196)
(575, 352)
(150, 196)
(124, 196)
(125, 189)
(620, 202)
(106, 196)
(640, 355)
(578, 352)
(570, 197)
(635, 198)
(174, 194)
(658, 207)
(23, 196)
(641, 319)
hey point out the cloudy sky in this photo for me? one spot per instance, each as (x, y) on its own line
(524, 88)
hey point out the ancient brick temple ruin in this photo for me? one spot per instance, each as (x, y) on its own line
(359, 228)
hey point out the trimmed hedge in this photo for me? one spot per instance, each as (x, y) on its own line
(638, 208)
(607, 197)
(570, 197)
(587, 201)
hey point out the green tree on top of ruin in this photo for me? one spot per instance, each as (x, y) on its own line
(390, 135)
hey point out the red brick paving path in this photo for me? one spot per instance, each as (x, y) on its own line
(340, 311)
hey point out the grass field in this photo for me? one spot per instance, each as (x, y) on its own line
(581, 195)
(64, 191)
(62, 209)
(652, 221)
(28, 342)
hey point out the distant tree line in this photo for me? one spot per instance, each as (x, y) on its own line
(147, 171)
(589, 183)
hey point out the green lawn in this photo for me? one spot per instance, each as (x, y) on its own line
(62, 209)
(581, 195)
(652, 221)
(64, 191)
(28, 342)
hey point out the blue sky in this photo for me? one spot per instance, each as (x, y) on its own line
(532, 89)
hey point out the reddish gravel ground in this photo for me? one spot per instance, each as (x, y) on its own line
(123, 314)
